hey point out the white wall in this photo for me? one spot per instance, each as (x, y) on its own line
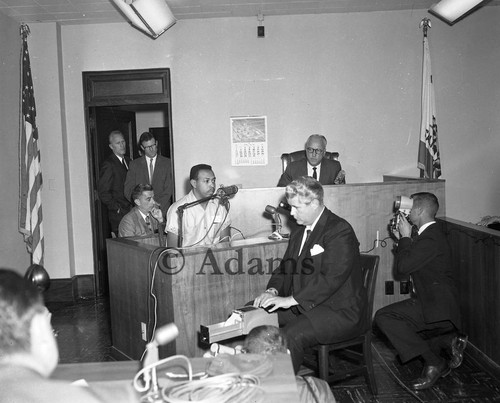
(355, 78)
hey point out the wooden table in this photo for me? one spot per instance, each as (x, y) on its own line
(279, 386)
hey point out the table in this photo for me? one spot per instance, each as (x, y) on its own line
(279, 386)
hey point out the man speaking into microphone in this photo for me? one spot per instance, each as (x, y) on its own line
(204, 212)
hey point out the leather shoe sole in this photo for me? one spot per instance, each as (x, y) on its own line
(458, 345)
(430, 374)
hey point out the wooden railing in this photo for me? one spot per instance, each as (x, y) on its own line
(476, 260)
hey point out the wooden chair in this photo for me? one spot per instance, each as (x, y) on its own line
(363, 358)
(300, 155)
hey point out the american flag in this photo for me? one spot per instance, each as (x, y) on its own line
(429, 160)
(30, 194)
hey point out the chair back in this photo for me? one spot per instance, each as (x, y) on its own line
(369, 266)
(301, 155)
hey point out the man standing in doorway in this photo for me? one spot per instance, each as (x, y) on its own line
(112, 179)
(153, 169)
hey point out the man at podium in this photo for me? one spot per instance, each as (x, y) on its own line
(200, 218)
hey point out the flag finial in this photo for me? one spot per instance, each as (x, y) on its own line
(425, 24)
(25, 31)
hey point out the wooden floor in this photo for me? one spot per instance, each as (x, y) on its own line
(83, 331)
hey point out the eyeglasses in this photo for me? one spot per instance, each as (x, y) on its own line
(151, 147)
(314, 151)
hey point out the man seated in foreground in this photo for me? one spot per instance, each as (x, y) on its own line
(203, 224)
(29, 353)
(317, 290)
(269, 340)
(145, 218)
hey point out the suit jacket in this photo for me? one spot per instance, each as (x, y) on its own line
(23, 385)
(162, 179)
(428, 259)
(110, 188)
(329, 170)
(134, 225)
(326, 279)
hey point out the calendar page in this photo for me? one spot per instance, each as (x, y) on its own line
(248, 141)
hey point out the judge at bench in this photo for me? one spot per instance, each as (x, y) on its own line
(317, 290)
(145, 218)
(314, 165)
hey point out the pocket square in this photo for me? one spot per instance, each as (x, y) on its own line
(316, 250)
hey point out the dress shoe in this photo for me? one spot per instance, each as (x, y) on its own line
(430, 374)
(458, 345)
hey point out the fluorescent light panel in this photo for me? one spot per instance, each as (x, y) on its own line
(151, 16)
(451, 10)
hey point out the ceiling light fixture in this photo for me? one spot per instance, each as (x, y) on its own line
(153, 17)
(452, 10)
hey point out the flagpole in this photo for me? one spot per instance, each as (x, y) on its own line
(30, 186)
(429, 161)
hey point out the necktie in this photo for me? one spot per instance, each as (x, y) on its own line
(148, 223)
(151, 171)
(124, 164)
(308, 234)
(315, 175)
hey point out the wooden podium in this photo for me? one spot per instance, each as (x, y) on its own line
(151, 284)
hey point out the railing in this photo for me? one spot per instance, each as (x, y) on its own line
(476, 259)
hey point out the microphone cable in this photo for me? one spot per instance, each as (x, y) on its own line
(223, 388)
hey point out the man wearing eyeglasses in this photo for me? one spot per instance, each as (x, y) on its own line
(326, 171)
(29, 352)
(153, 169)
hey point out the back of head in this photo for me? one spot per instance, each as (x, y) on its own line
(306, 189)
(20, 300)
(265, 340)
(426, 201)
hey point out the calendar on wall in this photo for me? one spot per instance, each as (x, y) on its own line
(248, 140)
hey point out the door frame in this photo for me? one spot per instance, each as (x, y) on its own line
(117, 88)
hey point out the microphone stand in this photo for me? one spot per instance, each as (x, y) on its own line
(180, 213)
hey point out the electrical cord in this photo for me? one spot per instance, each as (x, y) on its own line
(382, 244)
(217, 389)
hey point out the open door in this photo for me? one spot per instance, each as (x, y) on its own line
(113, 101)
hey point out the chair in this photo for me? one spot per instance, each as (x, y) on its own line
(300, 155)
(363, 358)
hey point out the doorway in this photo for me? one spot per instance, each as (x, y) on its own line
(132, 101)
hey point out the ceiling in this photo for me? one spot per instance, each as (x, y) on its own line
(101, 11)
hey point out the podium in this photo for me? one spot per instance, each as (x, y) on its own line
(154, 285)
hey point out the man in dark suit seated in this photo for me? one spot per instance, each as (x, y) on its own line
(425, 325)
(29, 353)
(326, 171)
(317, 290)
(112, 180)
(151, 168)
(145, 218)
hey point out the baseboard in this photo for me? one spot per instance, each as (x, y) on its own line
(70, 289)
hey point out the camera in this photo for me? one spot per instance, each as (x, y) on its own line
(402, 205)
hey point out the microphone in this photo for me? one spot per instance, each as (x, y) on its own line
(285, 206)
(271, 210)
(163, 335)
(227, 191)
